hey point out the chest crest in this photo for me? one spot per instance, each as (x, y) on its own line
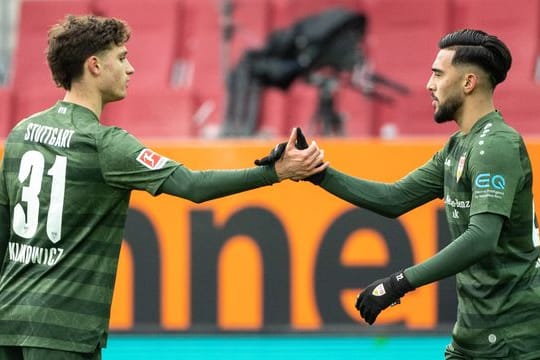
(460, 166)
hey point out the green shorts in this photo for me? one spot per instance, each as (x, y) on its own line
(452, 353)
(33, 353)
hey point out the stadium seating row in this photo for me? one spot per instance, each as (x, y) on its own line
(180, 62)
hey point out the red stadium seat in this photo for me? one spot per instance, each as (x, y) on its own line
(33, 87)
(300, 107)
(154, 106)
(359, 112)
(402, 37)
(28, 102)
(251, 20)
(520, 106)
(300, 101)
(6, 122)
(152, 44)
(516, 23)
(199, 50)
(206, 57)
(272, 118)
(401, 42)
(281, 111)
(410, 116)
(168, 113)
(285, 12)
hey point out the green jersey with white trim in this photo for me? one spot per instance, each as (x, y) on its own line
(489, 171)
(67, 181)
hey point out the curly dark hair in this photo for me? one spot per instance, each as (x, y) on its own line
(76, 38)
(481, 49)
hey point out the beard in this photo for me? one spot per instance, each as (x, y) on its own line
(447, 110)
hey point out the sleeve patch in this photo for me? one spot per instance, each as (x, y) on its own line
(151, 159)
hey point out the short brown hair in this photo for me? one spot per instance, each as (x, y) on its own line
(76, 38)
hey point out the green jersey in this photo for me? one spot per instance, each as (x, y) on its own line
(489, 171)
(486, 171)
(67, 181)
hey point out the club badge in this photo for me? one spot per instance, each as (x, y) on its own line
(461, 166)
(379, 290)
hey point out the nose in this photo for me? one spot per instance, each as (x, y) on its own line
(129, 69)
(430, 86)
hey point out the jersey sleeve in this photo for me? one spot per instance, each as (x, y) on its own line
(427, 181)
(4, 215)
(496, 173)
(126, 163)
(389, 199)
(3, 188)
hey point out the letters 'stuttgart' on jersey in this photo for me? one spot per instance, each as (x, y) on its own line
(67, 180)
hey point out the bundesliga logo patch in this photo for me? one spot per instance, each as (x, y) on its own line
(151, 160)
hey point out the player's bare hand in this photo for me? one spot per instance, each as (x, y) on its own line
(296, 164)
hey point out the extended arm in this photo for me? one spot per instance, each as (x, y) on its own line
(200, 186)
(479, 240)
(387, 199)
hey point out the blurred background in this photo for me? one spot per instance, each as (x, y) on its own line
(274, 272)
(202, 66)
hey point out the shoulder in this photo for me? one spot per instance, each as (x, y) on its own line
(498, 142)
(497, 137)
(22, 125)
(114, 136)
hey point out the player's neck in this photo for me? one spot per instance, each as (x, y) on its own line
(473, 110)
(84, 97)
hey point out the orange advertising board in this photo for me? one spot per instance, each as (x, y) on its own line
(288, 256)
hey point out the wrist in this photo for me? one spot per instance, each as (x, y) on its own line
(400, 283)
(271, 173)
(317, 178)
(277, 168)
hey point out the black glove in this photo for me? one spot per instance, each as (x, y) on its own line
(277, 152)
(302, 144)
(274, 155)
(381, 294)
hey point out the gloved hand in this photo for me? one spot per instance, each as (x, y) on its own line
(277, 152)
(275, 155)
(302, 144)
(381, 294)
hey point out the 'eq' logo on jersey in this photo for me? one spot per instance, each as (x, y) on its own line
(486, 180)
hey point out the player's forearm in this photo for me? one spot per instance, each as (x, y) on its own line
(387, 199)
(200, 186)
(479, 240)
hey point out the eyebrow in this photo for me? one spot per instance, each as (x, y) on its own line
(435, 70)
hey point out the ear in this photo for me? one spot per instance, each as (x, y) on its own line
(93, 65)
(471, 81)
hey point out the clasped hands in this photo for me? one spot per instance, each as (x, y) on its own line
(296, 160)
